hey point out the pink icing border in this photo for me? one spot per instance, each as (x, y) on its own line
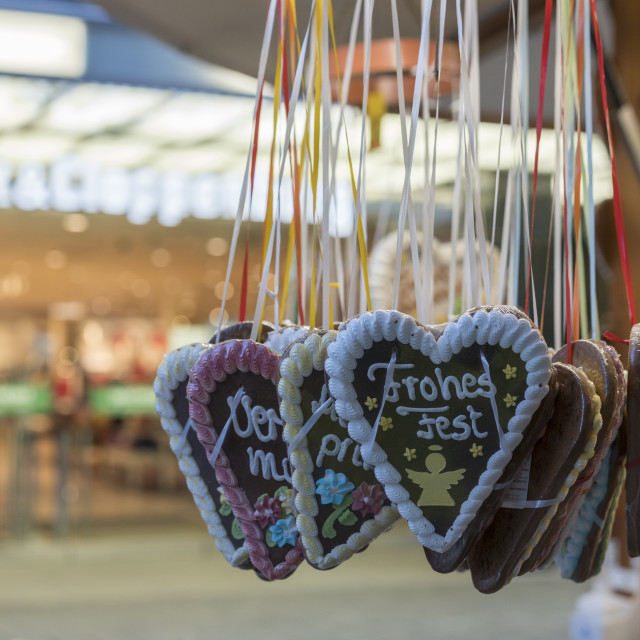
(214, 366)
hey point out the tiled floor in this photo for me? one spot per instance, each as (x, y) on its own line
(176, 586)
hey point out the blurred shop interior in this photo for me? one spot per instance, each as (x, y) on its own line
(121, 164)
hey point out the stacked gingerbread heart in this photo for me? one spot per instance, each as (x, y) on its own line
(500, 456)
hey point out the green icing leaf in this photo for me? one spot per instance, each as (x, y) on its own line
(269, 539)
(339, 511)
(236, 530)
(347, 518)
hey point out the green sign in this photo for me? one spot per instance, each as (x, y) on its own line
(123, 400)
(21, 398)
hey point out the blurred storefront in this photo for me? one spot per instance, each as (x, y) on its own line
(119, 176)
(121, 165)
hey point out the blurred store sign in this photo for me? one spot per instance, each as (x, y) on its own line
(42, 45)
(71, 184)
(18, 399)
(123, 400)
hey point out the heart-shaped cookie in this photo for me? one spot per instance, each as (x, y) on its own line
(603, 367)
(170, 387)
(557, 459)
(438, 419)
(632, 484)
(232, 396)
(341, 506)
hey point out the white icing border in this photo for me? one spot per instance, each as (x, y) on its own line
(493, 327)
(304, 357)
(173, 370)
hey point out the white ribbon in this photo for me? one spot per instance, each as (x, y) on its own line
(494, 406)
(308, 425)
(387, 386)
(223, 434)
(245, 181)
(530, 504)
(183, 437)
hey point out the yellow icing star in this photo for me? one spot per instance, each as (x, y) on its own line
(386, 423)
(510, 401)
(223, 498)
(509, 372)
(371, 403)
(409, 454)
(476, 450)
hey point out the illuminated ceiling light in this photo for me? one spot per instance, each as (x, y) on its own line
(160, 258)
(75, 222)
(196, 115)
(42, 44)
(34, 146)
(208, 158)
(21, 99)
(121, 150)
(217, 247)
(92, 107)
(55, 259)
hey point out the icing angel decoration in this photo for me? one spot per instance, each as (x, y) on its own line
(435, 482)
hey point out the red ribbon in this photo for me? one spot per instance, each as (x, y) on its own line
(617, 204)
(634, 463)
(612, 337)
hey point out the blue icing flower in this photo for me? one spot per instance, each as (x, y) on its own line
(333, 487)
(284, 531)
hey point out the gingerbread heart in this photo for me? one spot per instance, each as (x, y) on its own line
(632, 483)
(438, 418)
(232, 397)
(170, 387)
(557, 459)
(341, 506)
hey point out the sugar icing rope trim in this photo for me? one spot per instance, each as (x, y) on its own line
(214, 367)
(388, 381)
(306, 356)
(223, 434)
(173, 371)
(310, 423)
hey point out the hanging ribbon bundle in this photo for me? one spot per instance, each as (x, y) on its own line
(466, 430)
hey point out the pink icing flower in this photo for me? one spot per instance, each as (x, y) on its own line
(267, 511)
(368, 498)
